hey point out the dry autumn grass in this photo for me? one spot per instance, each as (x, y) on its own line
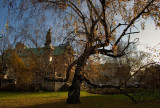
(57, 100)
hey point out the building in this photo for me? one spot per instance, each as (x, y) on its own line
(51, 62)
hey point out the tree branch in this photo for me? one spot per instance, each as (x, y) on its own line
(133, 20)
(138, 71)
(108, 86)
(61, 79)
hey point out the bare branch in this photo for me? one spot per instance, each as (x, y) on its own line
(108, 86)
(133, 20)
(138, 71)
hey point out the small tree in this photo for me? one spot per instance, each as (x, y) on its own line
(22, 73)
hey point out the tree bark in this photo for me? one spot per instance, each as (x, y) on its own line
(74, 89)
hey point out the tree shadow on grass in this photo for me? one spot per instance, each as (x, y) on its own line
(60, 104)
(98, 102)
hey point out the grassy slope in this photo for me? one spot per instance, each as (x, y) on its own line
(57, 100)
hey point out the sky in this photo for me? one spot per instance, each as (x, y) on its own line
(3, 18)
(149, 37)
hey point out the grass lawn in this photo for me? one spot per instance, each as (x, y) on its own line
(57, 100)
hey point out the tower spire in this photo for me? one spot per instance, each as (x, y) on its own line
(48, 38)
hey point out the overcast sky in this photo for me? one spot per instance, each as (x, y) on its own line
(149, 37)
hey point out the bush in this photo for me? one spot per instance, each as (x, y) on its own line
(65, 87)
(9, 88)
(30, 88)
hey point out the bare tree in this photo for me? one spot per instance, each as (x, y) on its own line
(97, 26)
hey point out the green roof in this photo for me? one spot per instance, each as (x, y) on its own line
(58, 50)
(36, 51)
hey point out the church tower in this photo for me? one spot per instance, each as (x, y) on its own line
(48, 39)
(48, 49)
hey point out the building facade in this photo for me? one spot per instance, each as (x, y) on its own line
(50, 62)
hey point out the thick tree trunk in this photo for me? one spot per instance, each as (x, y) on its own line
(74, 89)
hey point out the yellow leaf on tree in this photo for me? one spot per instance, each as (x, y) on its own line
(76, 29)
(78, 1)
(2, 32)
(114, 49)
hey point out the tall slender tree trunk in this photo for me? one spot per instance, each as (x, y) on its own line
(74, 89)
